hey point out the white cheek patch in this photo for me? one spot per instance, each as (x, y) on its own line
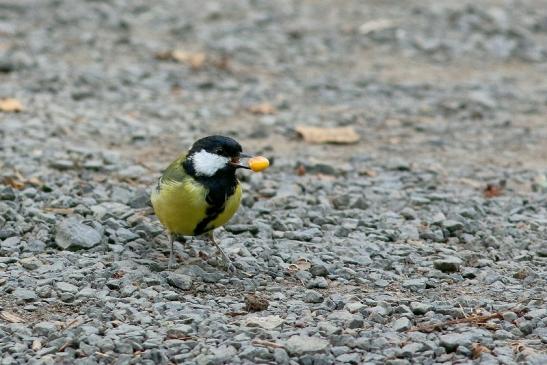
(207, 164)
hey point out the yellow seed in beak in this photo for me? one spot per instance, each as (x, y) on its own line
(258, 163)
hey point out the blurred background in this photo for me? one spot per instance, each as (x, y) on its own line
(124, 86)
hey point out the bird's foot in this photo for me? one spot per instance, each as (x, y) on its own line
(171, 265)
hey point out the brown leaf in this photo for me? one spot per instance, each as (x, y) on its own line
(262, 108)
(369, 173)
(256, 303)
(300, 170)
(223, 63)
(118, 274)
(14, 182)
(17, 181)
(493, 190)
(339, 135)
(10, 105)
(477, 350)
(10, 317)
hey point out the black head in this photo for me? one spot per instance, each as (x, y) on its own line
(218, 145)
(214, 156)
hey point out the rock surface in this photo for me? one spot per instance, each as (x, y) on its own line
(347, 254)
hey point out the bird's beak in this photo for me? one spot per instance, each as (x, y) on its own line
(235, 161)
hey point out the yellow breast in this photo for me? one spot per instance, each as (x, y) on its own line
(181, 206)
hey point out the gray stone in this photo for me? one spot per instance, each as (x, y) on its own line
(66, 287)
(30, 263)
(415, 284)
(35, 246)
(536, 313)
(451, 341)
(537, 359)
(509, 316)
(317, 282)
(124, 235)
(402, 324)
(45, 328)
(312, 296)
(87, 292)
(526, 327)
(127, 290)
(419, 308)
(452, 225)
(353, 358)
(409, 232)
(179, 331)
(281, 357)
(356, 322)
(299, 345)
(72, 233)
(25, 294)
(354, 307)
(180, 281)
(448, 264)
(410, 349)
(220, 355)
(318, 270)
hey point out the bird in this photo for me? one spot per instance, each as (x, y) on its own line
(199, 191)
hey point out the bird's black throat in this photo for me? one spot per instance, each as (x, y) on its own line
(220, 187)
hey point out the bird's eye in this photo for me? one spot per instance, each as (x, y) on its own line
(219, 151)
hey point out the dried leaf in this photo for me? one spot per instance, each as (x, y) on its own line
(35, 181)
(256, 303)
(262, 108)
(118, 274)
(223, 63)
(477, 350)
(10, 317)
(376, 25)
(339, 135)
(265, 343)
(17, 181)
(491, 326)
(369, 173)
(63, 211)
(14, 182)
(36, 345)
(195, 60)
(299, 265)
(235, 314)
(493, 190)
(300, 170)
(10, 105)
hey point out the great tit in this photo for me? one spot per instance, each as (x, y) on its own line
(199, 191)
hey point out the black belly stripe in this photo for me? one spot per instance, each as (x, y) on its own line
(211, 214)
(216, 198)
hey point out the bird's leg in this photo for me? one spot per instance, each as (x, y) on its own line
(227, 262)
(172, 253)
(172, 238)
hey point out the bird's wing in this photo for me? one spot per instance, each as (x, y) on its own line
(174, 173)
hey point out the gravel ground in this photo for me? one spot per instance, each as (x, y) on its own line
(424, 243)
